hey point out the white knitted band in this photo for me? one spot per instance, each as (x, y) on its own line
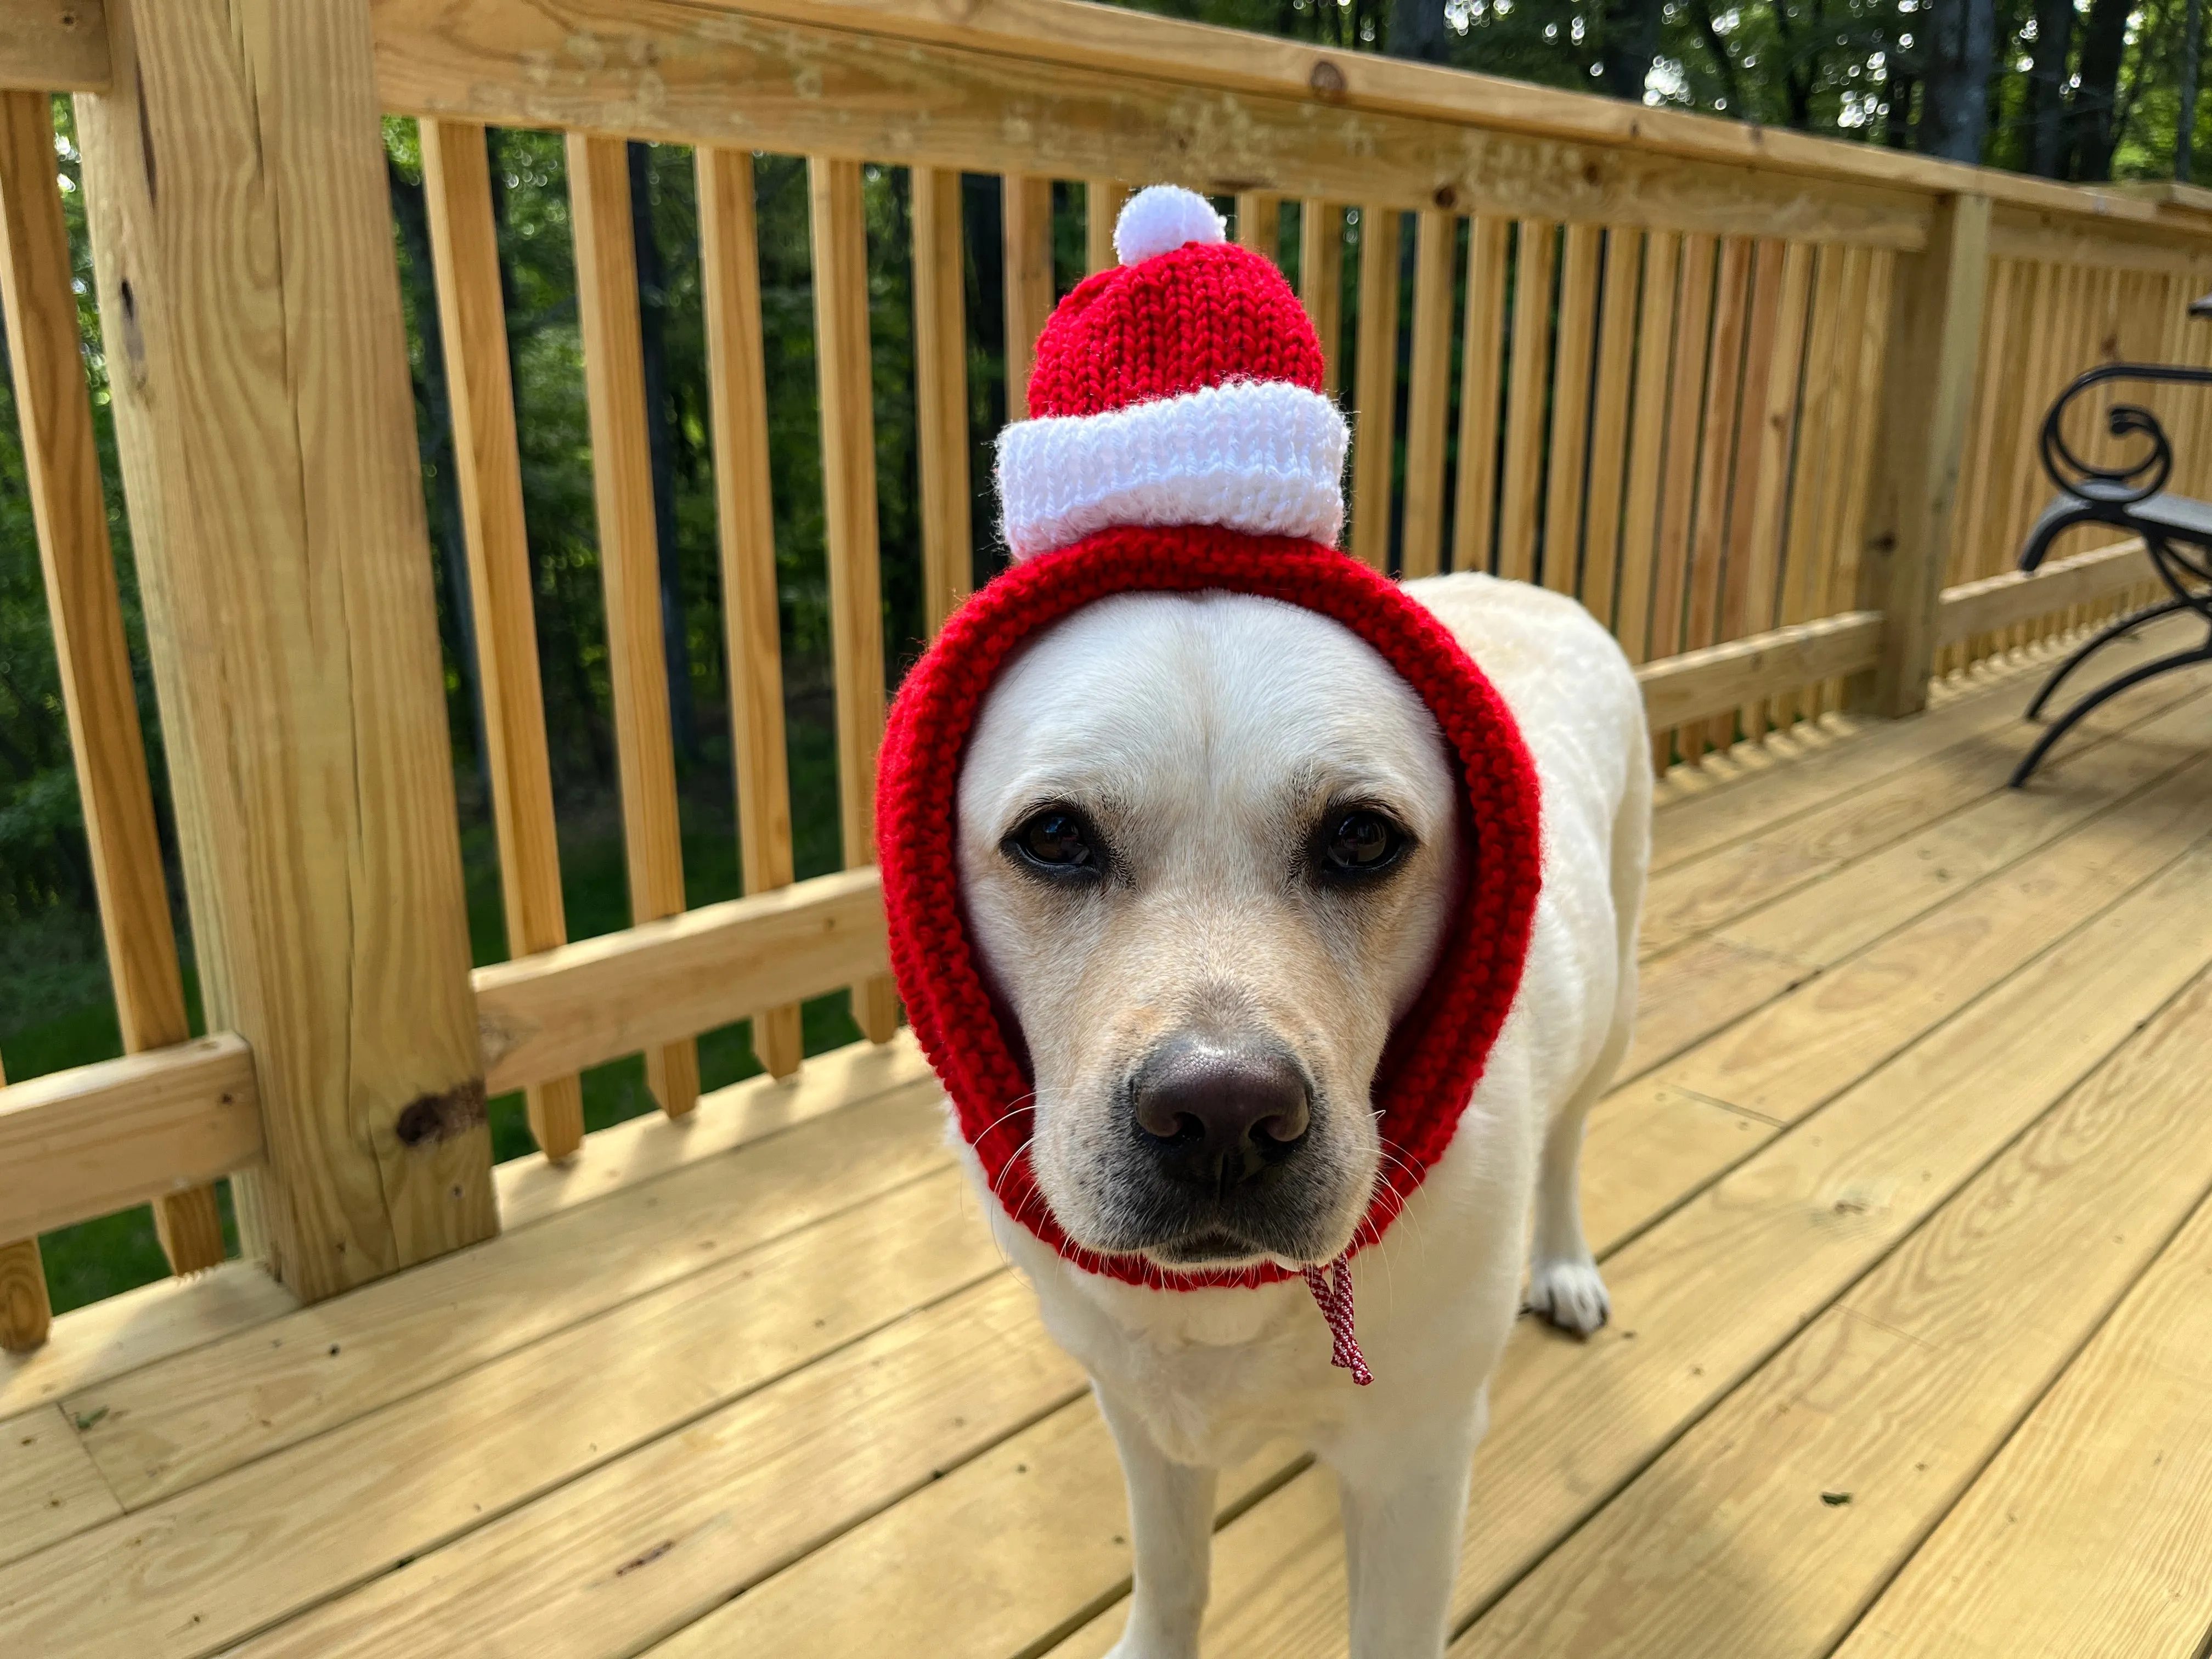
(1265, 457)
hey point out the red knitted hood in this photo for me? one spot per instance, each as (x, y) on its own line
(1437, 1052)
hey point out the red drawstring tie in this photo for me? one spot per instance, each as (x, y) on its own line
(1332, 1293)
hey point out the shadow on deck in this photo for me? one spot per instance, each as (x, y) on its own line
(1900, 1198)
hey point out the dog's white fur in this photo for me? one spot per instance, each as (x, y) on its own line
(1190, 724)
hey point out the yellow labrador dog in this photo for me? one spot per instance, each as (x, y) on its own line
(1206, 847)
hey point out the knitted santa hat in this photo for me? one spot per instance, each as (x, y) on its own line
(1179, 442)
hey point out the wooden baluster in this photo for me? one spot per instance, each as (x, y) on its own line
(1536, 260)
(1866, 431)
(26, 1314)
(1375, 400)
(1259, 221)
(1027, 232)
(253, 305)
(1811, 497)
(848, 478)
(1771, 409)
(1935, 329)
(1976, 554)
(1482, 370)
(1717, 451)
(1685, 410)
(1858, 371)
(1321, 283)
(629, 559)
(941, 371)
(1655, 357)
(61, 468)
(1570, 395)
(465, 250)
(1608, 448)
(744, 513)
(1101, 208)
(1428, 404)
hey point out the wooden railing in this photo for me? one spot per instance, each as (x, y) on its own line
(1761, 402)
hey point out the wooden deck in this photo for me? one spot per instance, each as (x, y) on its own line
(1902, 1202)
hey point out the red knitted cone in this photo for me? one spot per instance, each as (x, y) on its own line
(1185, 505)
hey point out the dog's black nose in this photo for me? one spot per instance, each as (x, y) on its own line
(1216, 1114)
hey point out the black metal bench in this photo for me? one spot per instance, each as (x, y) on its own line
(2175, 532)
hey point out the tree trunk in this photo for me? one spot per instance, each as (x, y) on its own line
(1629, 45)
(2046, 88)
(1418, 30)
(659, 416)
(1958, 52)
(2185, 129)
(2096, 96)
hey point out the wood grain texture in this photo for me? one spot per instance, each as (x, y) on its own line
(1717, 443)
(941, 371)
(92, 1139)
(1934, 331)
(1770, 416)
(27, 1312)
(171, 1429)
(54, 45)
(49, 1489)
(210, 1573)
(1895, 1397)
(646, 1148)
(696, 73)
(647, 1544)
(2123, 1441)
(1685, 407)
(1608, 448)
(737, 389)
(1482, 360)
(1722, 676)
(1026, 208)
(1640, 518)
(660, 981)
(848, 478)
(2000, 602)
(1536, 260)
(1375, 398)
(1321, 283)
(472, 315)
(121, 1332)
(1429, 395)
(1567, 454)
(630, 560)
(266, 422)
(1812, 465)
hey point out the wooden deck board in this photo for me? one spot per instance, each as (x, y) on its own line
(618, 1428)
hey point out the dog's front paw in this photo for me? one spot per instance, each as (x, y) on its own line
(1570, 1294)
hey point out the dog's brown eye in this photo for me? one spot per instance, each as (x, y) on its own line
(1056, 842)
(1361, 843)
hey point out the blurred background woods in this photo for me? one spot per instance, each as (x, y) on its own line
(2089, 91)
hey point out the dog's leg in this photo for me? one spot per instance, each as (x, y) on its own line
(1172, 1535)
(1403, 1491)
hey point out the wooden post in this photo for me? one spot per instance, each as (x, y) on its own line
(1927, 380)
(464, 249)
(251, 303)
(62, 468)
(849, 480)
(737, 388)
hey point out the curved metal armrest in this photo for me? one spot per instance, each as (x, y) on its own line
(2121, 485)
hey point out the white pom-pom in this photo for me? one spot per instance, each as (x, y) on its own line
(1161, 218)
